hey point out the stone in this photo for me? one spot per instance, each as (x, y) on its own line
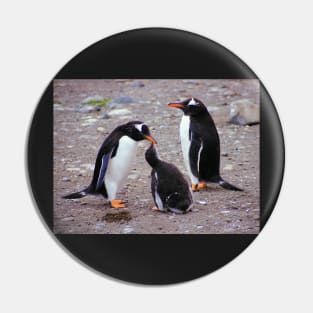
(105, 116)
(244, 112)
(120, 100)
(91, 99)
(66, 179)
(133, 176)
(120, 112)
(202, 202)
(228, 167)
(101, 130)
(128, 230)
(89, 109)
(137, 83)
(67, 219)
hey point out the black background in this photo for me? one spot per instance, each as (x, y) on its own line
(154, 53)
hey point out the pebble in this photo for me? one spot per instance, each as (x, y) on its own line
(201, 202)
(138, 83)
(228, 167)
(67, 219)
(89, 109)
(73, 169)
(101, 130)
(120, 100)
(133, 176)
(244, 112)
(105, 116)
(66, 179)
(99, 226)
(120, 112)
(91, 120)
(128, 230)
(92, 98)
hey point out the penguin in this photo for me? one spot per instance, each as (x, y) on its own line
(169, 188)
(114, 161)
(200, 145)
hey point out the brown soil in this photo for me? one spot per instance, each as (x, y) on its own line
(77, 137)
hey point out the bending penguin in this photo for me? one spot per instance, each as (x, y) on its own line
(114, 161)
(200, 145)
(170, 190)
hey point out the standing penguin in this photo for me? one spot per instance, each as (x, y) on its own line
(169, 188)
(114, 161)
(200, 145)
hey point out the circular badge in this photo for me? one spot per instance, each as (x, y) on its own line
(155, 156)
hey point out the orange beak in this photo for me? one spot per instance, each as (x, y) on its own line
(151, 139)
(176, 105)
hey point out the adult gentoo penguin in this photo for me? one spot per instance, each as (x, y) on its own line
(170, 190)
(113, 162)
(200, 145)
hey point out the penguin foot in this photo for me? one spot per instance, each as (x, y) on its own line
(194, 187)
(198, 187)
(202, 186)
(155, 209)
(117, 204)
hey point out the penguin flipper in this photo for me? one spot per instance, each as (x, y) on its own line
(194, 156)
(104, 165)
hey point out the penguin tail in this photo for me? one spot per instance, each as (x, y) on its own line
(227, 185)
(77, 195)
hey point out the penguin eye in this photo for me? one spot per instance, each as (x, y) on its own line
(144, 129)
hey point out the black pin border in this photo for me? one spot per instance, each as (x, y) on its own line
(154, 53)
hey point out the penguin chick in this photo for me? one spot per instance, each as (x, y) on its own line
(113, 162)
(169, 188)
(200, 145)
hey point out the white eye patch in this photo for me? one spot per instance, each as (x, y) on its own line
(192, 102)
(139, 127)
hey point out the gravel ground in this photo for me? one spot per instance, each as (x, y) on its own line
(78, 135)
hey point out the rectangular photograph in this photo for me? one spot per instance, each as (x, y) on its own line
(156, 156)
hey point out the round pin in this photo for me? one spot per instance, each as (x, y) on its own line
(155, 156)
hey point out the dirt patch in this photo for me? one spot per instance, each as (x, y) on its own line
(78, 135)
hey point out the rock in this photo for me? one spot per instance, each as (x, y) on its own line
(191, 81)
(116, 102)
(128, 230)
(91, 120)
(224, 154)
(120, 112)
(133, 176)
(67, 219)
(73, 169)
(138, 83)
(244, 112)
(66, 179)
(89, 109)
(202, 202)
(92, 99)
(228, 167)
(101, 130)
(105, 116)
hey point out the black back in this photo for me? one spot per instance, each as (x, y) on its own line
(203, 132)
(170, 184)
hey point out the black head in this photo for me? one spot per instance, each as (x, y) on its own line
(178, 203)
(152, 156)
(190, 106)
(137, 130)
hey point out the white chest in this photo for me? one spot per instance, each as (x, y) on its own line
(185, 144)
(120, 165)
(184, 136)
